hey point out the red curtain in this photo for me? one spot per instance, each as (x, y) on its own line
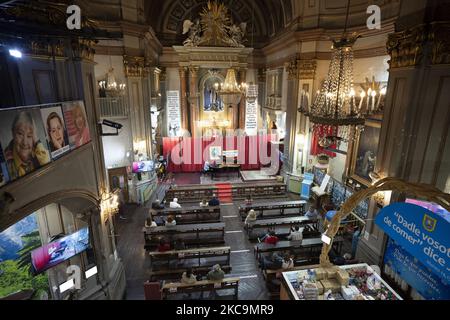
(319, 132)
(187, 154)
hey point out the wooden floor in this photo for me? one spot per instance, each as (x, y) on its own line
(137, 266)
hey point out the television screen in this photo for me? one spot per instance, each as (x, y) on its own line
(60, 250)
(143, 166)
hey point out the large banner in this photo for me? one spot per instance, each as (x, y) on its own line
(31, 137)
(173, 114)
(415, 273)
(251, 111)
(422, 233)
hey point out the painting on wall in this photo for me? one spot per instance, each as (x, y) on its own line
(211, 99)
(365, 152)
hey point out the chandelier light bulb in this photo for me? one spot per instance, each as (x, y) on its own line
(374, 93)
(383, 91)
(363, 94)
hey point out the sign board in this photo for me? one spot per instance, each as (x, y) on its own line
(251, 111)
(427, 284)
(173, 114)
(422, 233)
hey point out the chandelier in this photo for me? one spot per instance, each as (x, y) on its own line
(110, 87)
(230, 92)
(336, 104)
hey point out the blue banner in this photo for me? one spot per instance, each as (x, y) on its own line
(427, 284)
(420, 232)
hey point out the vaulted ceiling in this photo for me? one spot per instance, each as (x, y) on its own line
(264, 17)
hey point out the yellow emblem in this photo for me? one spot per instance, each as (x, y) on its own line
(429, 223)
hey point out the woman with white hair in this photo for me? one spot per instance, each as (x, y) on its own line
(174, 204)
(251, 218)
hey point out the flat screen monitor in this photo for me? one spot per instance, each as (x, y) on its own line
(60, 250)
(143, 166)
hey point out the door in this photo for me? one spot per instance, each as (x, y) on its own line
(118, 180)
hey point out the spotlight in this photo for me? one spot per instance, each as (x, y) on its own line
(15, 53)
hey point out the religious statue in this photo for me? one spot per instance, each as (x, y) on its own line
(194, 30)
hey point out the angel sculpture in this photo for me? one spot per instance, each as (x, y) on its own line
(194, 30)
(237, 34)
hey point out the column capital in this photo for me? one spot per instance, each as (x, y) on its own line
(135, 66)
(193, 71)
(292, 69)
(83, 49)
(406, 47)
(307, 68)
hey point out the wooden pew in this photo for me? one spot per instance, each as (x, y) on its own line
(194, 256)
(188, 215)
(192, 234)
(238, 191)
(172, 289)
(175, 274)
(309, 246)
(278, 223)
(263, 210)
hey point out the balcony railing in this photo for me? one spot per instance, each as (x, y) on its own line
(113, 107)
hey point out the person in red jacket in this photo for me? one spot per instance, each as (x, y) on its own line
(163, 245)
(271, 238)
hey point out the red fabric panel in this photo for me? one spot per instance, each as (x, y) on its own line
(321, 131)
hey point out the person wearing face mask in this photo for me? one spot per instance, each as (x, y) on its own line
(56, 132)
(25, 153)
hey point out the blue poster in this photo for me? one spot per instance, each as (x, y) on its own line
(415, 273)
(422, 233)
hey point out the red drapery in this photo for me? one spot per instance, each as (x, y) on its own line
(187, 154)
(319, 132)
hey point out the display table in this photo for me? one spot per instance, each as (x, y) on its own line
(350, 282)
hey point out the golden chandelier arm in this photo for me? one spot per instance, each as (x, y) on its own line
(425, 191)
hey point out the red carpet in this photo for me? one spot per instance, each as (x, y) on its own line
(224, 192)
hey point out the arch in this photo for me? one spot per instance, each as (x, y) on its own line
(425, 191)
(73, 200)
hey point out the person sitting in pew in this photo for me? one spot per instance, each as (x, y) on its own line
(270, 237)
(174, 204)
(271, 262)
(204, 203)
(288, 262)
(251, 217)
(216, 274)
(214, 202)
(188, 277)
(179, 245)
(157, 205)
(312, 212)
(163, 245)
(171, 222)
(149, 223)
(296, 234)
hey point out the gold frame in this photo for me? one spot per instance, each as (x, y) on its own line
(374, 122)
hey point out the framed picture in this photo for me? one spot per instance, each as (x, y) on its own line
(215, 153)
(365, 149)
(76, 124)
(55, 130)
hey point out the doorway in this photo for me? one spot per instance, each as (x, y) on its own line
(118, 179)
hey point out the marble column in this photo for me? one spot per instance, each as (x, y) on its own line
(193, 100)
(183, 97)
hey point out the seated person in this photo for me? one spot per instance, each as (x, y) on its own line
(214, 202)
(163, 245)
(179, 245)
(157, 205)
(296, 234)
(149, 223)
(188, 277)
(170, 222)
(248, 200)
(288, 262)
(271, 238)
(271, 262)
(204, 203)
(174, 204)
(312, 212)
(344, 260)
(216, 273)
(251, 217)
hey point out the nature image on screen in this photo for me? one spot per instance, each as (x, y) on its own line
(143, 166)
(60, 250)
(16, 244)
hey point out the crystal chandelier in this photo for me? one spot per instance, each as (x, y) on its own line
(110, 87)
(230, 92)
(336, 105)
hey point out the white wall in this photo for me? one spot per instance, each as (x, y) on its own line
(115, 148)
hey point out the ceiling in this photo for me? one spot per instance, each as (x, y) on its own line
(264, 17)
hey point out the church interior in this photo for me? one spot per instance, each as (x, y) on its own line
(224, 150)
